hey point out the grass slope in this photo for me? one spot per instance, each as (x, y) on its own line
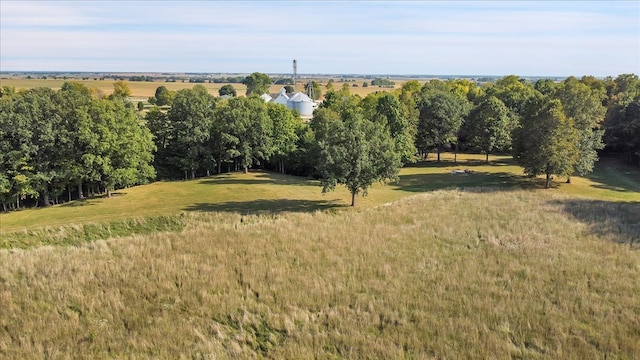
(485, 273)
(271, 192)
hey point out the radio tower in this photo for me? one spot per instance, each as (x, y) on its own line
(295, 74)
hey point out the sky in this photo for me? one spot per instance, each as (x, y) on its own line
(525, 38)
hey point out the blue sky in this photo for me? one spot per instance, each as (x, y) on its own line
(526, 38)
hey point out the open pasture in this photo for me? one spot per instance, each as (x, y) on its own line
(483, 264)
(445, 274)
(268, 192)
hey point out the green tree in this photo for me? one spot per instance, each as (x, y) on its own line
(227, 90)
(388, 112)
(488, 126)
(76, 135)
(123, 154)
(622, 130)
(257, 83)
(121, 89)
(546, 140)
(356, 152)
(441, 116)
(248, 131)
(191, 117)
(513, 92)
(584, 105)
(162, 131)
(163, 96)
(330, 86)
(284, 135)
(546, 86)
(30, 145)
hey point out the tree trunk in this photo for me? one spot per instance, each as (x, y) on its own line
(80, 194)
(185, 175)
(4, 207)
(219, 165)
(193, 173)
(487, 158)
(108, 193)
(438, 153)
(455, 154)
(246, 169)
(69, 191)
(45, 198)
(353, 198)
(548, 182)
(569, 179)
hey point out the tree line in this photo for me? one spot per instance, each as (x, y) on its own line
(68, 143)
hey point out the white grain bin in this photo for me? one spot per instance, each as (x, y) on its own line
(301, 102)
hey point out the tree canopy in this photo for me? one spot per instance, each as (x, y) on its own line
(545, 143)
(257, 83)
(353, 151)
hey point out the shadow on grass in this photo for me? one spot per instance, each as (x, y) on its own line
(612, 174)
(262, 178)
(620, 220)
(90, 200)
(431, 163)
(264, 206)
(429, 182)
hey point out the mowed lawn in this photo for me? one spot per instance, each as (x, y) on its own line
(261, 191)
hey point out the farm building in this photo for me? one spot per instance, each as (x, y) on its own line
(294, 101)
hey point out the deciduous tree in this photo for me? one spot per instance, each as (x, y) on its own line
(546, 141)
(257, 83)
(227, 90)
(489, 126)
(356, 152)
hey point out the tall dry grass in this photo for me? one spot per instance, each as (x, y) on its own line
(449, 274)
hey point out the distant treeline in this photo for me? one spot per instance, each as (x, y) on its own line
(141, 78)
(65, 144)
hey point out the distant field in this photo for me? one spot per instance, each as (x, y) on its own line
(143, 89)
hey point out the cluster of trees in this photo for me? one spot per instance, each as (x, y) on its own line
(52, 141)
(202, 134)
(141, 78)
(382, 82)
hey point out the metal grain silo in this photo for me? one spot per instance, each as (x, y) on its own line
(302, 103)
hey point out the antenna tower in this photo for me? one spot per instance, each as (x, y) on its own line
(295, 74)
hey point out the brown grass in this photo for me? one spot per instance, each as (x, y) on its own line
(449, 274)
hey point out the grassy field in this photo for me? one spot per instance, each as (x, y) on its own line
(145, 89)
(483, 265)
(263, 191)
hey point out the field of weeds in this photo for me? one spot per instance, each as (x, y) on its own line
(430, 267)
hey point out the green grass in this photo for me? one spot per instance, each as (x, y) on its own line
(446, 274)
(260, 265)
(271, 192)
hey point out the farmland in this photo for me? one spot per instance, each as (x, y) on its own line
(146, 89)
(261, 265)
